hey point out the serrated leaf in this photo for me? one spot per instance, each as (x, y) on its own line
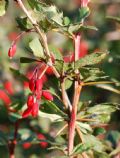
(36, 47)
(3, 7)
(91, 74)
(27, 60)
(23, 23)
(68, 83)
(101, 112)
(34, 4)
(59, 65)
(91, 59)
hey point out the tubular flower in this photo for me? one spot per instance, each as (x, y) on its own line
(47, 95)
(12, 50)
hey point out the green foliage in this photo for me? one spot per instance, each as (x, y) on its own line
(89, 60)
(3, 7)
(37, 48)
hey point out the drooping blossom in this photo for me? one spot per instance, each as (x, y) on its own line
(12, 50)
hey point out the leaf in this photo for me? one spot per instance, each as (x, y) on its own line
(13, 117)
(36, 47)
(27, 60)
(23, 23)
(59, 65)
(80, 148)
(91, 59)
(68, 83)
(94, 142)
(84, 127)
(55, 51)
(3, 7)
(17, 73)
(51, 108)
(83, 13)
(98, 131)
(34, 4)
(101, 112)
(53, 15)
(91, 74)
(52, 117)
(117, 19)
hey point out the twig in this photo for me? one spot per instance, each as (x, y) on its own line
(43, 37)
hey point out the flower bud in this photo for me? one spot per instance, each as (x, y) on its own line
(30, 101)
(12, 50)
(47, 95)
(27, 112)
(43, 144)
(38, 85)
(35, 109)
(32, 84)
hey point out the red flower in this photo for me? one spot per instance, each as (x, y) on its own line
(42, 137)
(8, 86)
(5, 98)
(30, 101)
(12, 50)
(47, 95)
(27, 145)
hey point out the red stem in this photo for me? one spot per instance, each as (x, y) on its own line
(12, 143)
(77, 90)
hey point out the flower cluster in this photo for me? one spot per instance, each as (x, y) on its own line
(36, 87)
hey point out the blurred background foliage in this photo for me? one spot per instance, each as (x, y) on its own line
(106, 38)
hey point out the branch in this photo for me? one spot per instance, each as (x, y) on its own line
(43, 37)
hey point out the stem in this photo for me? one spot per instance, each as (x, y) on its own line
(12, 143)
(43, 37)
(77, 90)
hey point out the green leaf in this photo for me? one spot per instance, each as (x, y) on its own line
(51, 108)
(55, 51)
(59, 65)
(80, 148)
(36, 47)
(91, 59)
(27, 60)
(23, 23)
(98, 131)
(101, 112)
(53, 15)
(3, 7)
(13, 117)
(94, 142)
(17, 73)
(83, 13)
(52, 117)
(84, 127)
(34, 4)
(68, 83)
(91, 74)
